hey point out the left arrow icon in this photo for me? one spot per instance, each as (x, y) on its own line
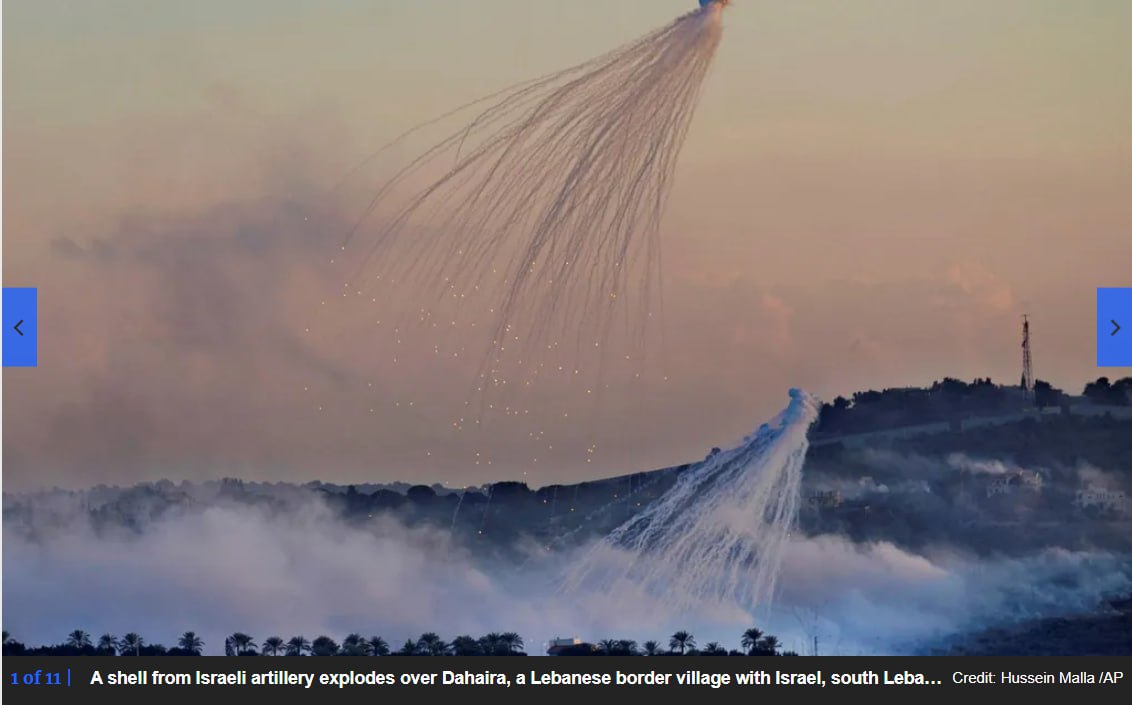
(21, 327)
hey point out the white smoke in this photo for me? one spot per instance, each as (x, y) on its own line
(1095, 478)
(980, 466)
(224, 570)
(879, 598)
(717, 537)
(698, 560)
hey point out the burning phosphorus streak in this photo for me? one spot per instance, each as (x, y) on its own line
(544, 209)
(718, 536)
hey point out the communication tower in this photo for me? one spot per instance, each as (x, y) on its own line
(1027, 362)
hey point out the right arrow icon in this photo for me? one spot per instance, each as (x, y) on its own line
(1113, 304)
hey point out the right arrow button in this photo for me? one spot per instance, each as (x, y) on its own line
(1114, 304)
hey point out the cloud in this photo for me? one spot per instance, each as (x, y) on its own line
(977, 280)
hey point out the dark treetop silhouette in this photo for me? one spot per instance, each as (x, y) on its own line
(80, 643)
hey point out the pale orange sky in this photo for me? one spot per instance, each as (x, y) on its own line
(872, 194)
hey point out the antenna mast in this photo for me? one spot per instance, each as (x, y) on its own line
(1027, 363)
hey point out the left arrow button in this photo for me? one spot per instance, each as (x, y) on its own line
(21, 327)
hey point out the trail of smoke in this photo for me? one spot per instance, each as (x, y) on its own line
(456, 511)
(486, 509)
(716, 537)
(549, 202)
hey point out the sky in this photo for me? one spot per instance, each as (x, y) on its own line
(871, 195)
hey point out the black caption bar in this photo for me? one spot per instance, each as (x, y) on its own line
(425, 679)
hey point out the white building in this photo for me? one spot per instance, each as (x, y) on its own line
(1008, 484)
(1110, 500)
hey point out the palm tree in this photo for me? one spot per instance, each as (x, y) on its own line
(131, 643)
(355, 645)
(191, 643)
(714, 649)
(409, 648)
(466, 646)
(751, 639)
(78, 639)
(652, 648)
(682, 641)
(768, 645)
(273, 646)
(608, 646)
(512, 642)
(297, 646)
(243, 644)
(432, 645)
(378, 646)
(492, 644)
(108, 642)
(627, 647)
(324, 646)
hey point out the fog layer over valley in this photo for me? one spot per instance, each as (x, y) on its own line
(896, 550)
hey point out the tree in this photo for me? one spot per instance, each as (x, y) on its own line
(466, 646)
(627, 647)
(78, 639)
(1104, 392)
(492, 644)
(714, 649)
(431, 644)
(243, 644)
(608, 646)
(108, 643)
(1045, 395)
(512, 642)
(751, 639)
(297, 646)
(273, 646)
(324, 646)
(191, 643)
(681, 641)
(355, 645)
(131, 645)
(768, 646)
(409, 648)
(651, 648)
(378, 646)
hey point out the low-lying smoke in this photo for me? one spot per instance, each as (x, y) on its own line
(222, 569)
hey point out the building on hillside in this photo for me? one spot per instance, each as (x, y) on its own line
(824, 499)
(1014, 481)
(1109, 500)
(570, 647)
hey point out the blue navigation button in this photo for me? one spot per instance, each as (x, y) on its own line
(21, 327)
(1114, 327)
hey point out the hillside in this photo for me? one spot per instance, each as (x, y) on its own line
(1040, 477)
